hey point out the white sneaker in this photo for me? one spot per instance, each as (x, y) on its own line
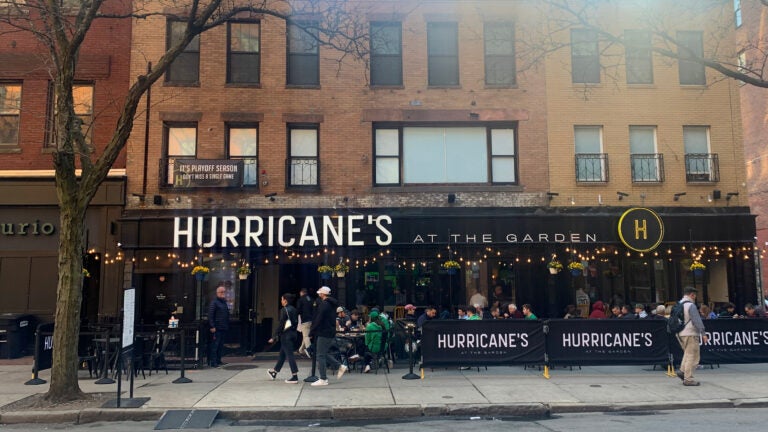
(320, 382)
(367, 369)
(340, 373)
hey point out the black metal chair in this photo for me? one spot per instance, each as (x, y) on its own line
(157, 356)
(86, 353)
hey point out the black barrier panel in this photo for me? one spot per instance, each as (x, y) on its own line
(613, 342)
(482, 343)
(731, 341)
(45, 346)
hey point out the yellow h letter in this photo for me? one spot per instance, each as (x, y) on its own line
(642, 229)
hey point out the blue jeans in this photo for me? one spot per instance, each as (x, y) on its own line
(323, 345)
(217, 345)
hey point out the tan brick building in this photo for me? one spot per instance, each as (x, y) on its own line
(448, 141)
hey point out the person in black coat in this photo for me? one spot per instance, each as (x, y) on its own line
(323, 331)
(306, 308)
(218, 320)
(288, 337)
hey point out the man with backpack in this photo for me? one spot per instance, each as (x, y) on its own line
(690, 336)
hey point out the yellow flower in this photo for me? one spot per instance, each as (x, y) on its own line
(244, 270)
(697, 266)
(200, 269)
(575, 266)
(555, 264)
(451, 264)
(86, 273)
(341, 267)
(325, 269)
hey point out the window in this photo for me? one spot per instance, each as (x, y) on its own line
(243, 60)
(185, 69)
(591, 164)
(700, 164)
(639, 60)
(386, 53)
(690, 44)
(82, 99)
(10, 106)
(500, 67)
(742, 63)
(585, 58)
(737, 13)
(443, 53)
(180, 143)
(303, 55)
(445, 155)
(646, 164)
(242, 143)
(303, 162)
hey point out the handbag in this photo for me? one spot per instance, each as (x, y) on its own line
(288, 323)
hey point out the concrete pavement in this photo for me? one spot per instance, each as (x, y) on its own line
(245, 391)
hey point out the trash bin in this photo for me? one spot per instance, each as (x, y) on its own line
(17, 335)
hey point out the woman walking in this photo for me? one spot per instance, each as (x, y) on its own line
(286, 334)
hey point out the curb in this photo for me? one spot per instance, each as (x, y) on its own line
(91, 415)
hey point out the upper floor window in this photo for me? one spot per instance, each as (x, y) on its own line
(737, 13)
(185, 69)
(585, 57)
(639, 59)
(244, 54)
(500, 67)
(242, 143)
(591, 164)
(10, 107)
(303, 160)
(445, 155)
(386, 53)
(82, 99)
(700, 164)
(180, 143)
(303, 55)
(443, 53)
(690, 44)
(646, 163)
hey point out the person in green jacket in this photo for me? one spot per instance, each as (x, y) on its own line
(528, 313)
(373, 332)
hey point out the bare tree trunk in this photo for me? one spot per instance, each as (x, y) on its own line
(64, 371)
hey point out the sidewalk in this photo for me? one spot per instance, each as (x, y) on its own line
(245, 391)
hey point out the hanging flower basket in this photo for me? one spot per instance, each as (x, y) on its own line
(451, 271)
(200, 272)
(243, 272)
(698, 268)
(554, 266)
(341, 269)
(553, 271)
(575, 272)
(576, 268)
(325, 271)
(242, 276)
(451, 267)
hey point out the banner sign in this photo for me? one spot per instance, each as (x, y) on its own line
(482, 343)
(613, 342)
(731, 341)
(45, 347)
(195, 173)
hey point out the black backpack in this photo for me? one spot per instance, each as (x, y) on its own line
(676, 322)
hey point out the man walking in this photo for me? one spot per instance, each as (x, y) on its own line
(323, 329)
(690, 336)
(306, 308)
(218, 320)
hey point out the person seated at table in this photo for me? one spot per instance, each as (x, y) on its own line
(341, 319)
(750, 311)
(429, 314)
(354, 322)
(472, 314)
(513, 312)
(640, 311)
(528, 312)
(706, 313)
(615, 311)
(569, 311)
(626, 313)
(660, 312)
(495, 313)
(410, 313)
(373, 339)
(598, 310)
(729, 311)
(461, 313)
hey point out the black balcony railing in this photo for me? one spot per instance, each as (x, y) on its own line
(647, 168)
(303, 172)
(702, 167)
(592, 167)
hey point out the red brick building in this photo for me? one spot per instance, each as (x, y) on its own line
(28, 202)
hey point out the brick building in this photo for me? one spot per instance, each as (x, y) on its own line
(265, 151)
(29, 216)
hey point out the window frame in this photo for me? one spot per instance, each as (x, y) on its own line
(510, 56)
(304, 26)
(638, 53)
(582, 60)
(379, 58)
(247, 159)
(488, 132)
(711, 171)
(737, 18)
(166, 181)
(657, 159)
(232, 54)
(16, 115)
(697, 71)
(289, 174)
(191, 50)
(432, 57)
(86, 127)
(580, 162)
